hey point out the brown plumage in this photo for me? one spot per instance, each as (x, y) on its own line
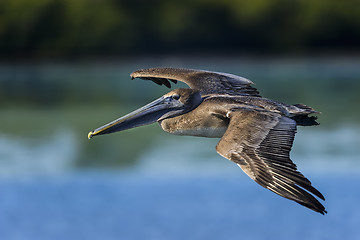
(256, 133)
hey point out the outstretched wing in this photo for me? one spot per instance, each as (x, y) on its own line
(206, 82)
(260, 143)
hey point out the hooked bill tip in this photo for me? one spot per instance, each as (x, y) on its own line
(90, 134)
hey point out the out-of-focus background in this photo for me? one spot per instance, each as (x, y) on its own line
(64, 70)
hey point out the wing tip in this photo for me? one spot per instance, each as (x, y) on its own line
(315, 206)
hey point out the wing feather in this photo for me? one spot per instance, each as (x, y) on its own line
(206, 82)
(260, 143)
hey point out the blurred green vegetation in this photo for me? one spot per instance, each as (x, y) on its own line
(40, 102)
(82, 28)
(330, 85)
(38, 99)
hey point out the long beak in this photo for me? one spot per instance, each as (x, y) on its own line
(150, 113)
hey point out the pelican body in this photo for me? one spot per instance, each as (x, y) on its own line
(256, 133)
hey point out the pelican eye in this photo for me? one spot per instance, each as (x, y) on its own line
(176, 97)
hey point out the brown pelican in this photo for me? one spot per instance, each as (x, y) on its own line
(256, 133)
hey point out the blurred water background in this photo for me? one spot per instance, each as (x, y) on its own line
(145, 183)
(64, 70)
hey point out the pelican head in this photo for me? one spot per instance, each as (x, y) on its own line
(172, 104)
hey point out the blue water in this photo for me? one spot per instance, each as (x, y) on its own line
(131, 205)
(146, 184)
